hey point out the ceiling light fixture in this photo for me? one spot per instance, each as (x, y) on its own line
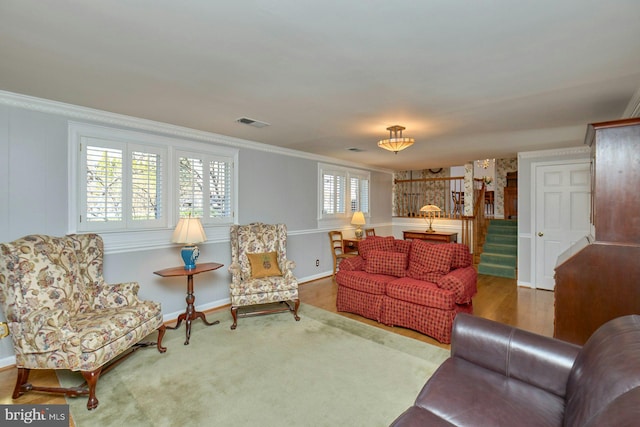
(396, 142)
(484, 164)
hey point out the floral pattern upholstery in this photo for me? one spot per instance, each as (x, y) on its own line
(61, 313)
(260, 238)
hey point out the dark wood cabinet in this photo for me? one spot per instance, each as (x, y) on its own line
(598, 278)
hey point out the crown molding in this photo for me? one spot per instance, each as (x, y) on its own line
(555, 152)
(114, 119)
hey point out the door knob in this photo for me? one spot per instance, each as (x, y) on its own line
(540, 234)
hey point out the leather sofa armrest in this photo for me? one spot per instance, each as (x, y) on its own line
(541, 361)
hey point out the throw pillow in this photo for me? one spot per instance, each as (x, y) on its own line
(264, 265)
(375, 243)
(461, 257)
(429, 261)
(403, 246)
(385, 262)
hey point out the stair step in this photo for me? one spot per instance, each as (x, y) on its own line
(501, 239)
(504, 222)
(497, 248)
(497, 270)
(502, 230)
(499, 259)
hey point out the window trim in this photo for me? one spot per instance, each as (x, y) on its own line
(147, 237)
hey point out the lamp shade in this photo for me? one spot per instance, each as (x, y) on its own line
(430, 208)
(189, 231)
(358, 218)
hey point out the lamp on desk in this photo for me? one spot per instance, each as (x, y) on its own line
(430, 211)
(358, 221)
(189, 231)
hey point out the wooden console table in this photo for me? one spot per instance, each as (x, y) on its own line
(190, 313)
(436, 236)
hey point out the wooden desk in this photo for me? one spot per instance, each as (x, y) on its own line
(351, 245)
(437, 236)
(190, 313)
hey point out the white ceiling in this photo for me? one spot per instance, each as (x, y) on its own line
(468, 79)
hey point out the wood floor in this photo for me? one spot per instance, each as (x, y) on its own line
(497, 299)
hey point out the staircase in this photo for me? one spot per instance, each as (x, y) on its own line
(499, 255)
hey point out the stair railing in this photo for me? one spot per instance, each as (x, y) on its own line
(448, 194)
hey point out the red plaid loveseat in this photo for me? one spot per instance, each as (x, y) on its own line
(409, 283)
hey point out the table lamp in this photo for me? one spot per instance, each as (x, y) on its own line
(358, 221)
(430, 209)
(189, 231)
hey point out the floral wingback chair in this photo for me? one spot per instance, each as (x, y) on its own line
(61, 313)
(261, 272)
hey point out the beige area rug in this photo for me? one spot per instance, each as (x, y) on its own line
(325, 370)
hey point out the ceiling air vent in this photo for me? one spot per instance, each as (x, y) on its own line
(251, 122)
(355, 149)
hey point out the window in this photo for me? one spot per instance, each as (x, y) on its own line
(122, 186)
(204, 187)
(342, 192)
(124, 181)
(359, 186)
(333, 193)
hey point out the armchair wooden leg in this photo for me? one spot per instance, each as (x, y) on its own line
(91, 377)
(161, 330)
(234, 314)
(295, 310)
(21, 382)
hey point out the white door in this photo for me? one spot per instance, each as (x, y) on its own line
(562, 207)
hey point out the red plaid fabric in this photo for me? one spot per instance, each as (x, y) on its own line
(375, 243)
(429, 261)
(421, 293)
(389, 263)
(362, 303)
(461, 257)
(462, 282)
(352, 264)
(361, 281)
(431, 321)
(403, 246)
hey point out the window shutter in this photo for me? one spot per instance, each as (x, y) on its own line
(220, 189)
(146, 186)
(191, 184)
(104, 177)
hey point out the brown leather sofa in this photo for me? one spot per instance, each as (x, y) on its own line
(498, 375)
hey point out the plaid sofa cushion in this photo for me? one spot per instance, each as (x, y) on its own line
(461, 257)
(375, 243)
(421, 293)
(355, 263)
(429, 261)
(385, 262)
(403, 246)
(363, 281)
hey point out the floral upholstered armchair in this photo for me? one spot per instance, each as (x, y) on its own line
(61, 313)
(261, 272)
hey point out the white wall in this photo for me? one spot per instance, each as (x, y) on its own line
(274, 186)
